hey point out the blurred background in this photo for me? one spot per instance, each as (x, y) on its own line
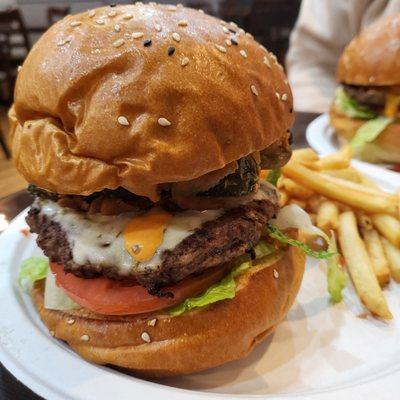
(22, 22)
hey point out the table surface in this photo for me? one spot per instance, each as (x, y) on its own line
(10, 206)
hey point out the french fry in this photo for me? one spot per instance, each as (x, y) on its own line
(301, 203)
(388, 226)
(377, 255)
(350, 193)
(364, 221)
(283, 198)
(313, 202)
(306, 154)
(337, 160)
(348, 174)
(393, 256)
(360, 267)
(327, 216)
(368, 183)
(296, 190)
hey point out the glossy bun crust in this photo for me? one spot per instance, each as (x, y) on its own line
(385, 148)
(223, 100)
(192, 342)
(372, 57)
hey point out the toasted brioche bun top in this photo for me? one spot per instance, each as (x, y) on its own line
(372, 57)
(223, 101)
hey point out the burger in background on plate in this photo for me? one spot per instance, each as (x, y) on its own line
(366, 109)
(142, 130)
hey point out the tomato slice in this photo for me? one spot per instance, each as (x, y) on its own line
(106, 296)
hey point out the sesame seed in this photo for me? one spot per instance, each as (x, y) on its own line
(234, 41)
(242, 31)
(65, 41)
(91, 13)
(112, 14)
(123, 120)
(276, 274)
(185, 61)
(284, 97)
(201, 11)
(147, 43)
(157, 27)
(152, 322)
(273, 56)
(75, 23)
(263, 48)
(163, 121)
(127, 16)
(249, 35)
(254, 90)
(179, 5)
(171, 50)
(85, 338)
(278, 95)
(222, 49)
(152, 3)
(228, 42)
(225, 29)
(137, 35)
(176, 37)
(266, 62)
(145, 337)
(371, 79)
(100, 21)
(171, 8)
(139, 3)
(243, 53)
(19, 68)
(71, 321)
(233, 24)
(182, 22)
(117, 28)
(118, 43)
(52, 333)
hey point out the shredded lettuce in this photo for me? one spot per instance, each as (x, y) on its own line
(337, 277)
(32, 269)
(275, 233)
(273, 176)
(226, 288)
(369, 131)
(349, 106)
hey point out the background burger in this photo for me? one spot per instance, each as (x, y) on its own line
(366, 108)
(142, 130)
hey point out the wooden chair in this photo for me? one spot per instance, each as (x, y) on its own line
(14, 47)
(54, 14)
(3, 144)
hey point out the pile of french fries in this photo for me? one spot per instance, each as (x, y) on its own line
(364, 218)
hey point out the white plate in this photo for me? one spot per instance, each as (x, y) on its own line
(322, 138)
(322, 350)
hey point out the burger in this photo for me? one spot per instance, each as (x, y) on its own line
(366, 108)
(142, 130)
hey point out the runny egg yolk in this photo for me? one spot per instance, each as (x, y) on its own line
(144, 233)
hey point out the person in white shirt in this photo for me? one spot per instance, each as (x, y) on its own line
(323, 29)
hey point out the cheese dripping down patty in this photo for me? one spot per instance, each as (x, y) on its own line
(105, 240)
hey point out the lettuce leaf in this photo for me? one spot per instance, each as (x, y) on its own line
(32, 269)
(275, 233)
(273, 176)
(349, 106)
(337, 277)
(370, 131)
(226, 288)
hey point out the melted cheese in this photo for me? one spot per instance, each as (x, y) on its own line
(145, 233)
(392, 105)
(99, 240)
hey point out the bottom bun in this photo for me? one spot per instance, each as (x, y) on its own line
(195, 341)
(385, 148)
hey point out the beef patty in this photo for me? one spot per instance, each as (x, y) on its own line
(370, 96)
(214, 243)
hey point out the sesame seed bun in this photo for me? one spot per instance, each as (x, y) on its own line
(385, 148)
(158, 345)
(140, 95)
(372, 57)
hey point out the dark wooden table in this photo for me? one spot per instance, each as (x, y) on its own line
(10, 206)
